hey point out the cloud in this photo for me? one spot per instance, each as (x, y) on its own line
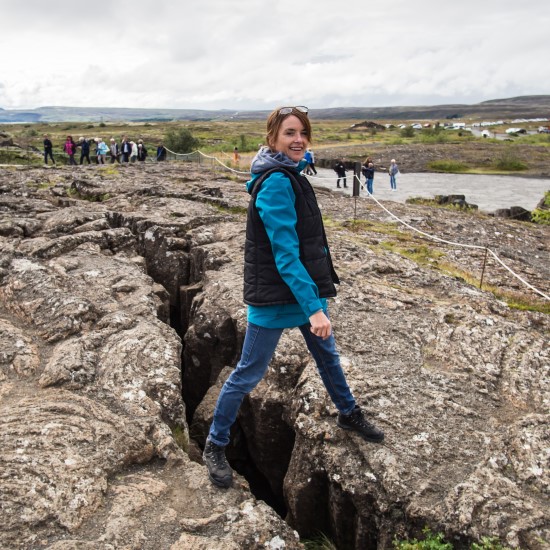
(254, 54)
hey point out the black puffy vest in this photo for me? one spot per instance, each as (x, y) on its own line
(263, 285)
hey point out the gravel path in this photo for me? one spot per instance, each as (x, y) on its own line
(488, 192)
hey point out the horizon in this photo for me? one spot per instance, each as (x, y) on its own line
(411, 105)
(393, 54)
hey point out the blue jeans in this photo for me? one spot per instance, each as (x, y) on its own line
(369, 186)
(393, 185)
(258, 348)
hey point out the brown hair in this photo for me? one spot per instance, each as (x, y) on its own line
(275, 120)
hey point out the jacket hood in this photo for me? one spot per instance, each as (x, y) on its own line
(265, 160)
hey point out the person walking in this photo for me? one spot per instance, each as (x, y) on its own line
(340, 169)
(288, 276)
(141, 151)
(125, 149)
(134, 151)
(48, 149)
(70, 149)
(115, 151)
(312, 161)
(161, 152)
(309, 160)
(102, 151)
(393, 171)
(84, 145)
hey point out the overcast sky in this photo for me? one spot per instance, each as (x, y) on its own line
(255, 54)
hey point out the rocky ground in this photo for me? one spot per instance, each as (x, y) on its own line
(121, 314)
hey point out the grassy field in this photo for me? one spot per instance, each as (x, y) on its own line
(220, 137)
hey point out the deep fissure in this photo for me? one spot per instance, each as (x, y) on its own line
(238, 453)
(316, 509)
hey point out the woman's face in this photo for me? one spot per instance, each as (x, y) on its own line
(291, 139)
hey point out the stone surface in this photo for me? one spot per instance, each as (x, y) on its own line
(90, 374)
(93, 264)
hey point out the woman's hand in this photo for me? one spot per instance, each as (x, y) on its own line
(320, 325)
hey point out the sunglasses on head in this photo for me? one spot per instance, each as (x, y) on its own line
(288, 110)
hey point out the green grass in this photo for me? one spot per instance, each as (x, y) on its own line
(542, 216)
(433, 541)
(181, 438)
(448, 166)
(509, 161)
(427, 256)
(430, 542)
(534, 139)
(421, 254)
(320, 542)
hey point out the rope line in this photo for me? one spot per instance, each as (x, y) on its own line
(208, 157)
(453, 243)
(412, 228)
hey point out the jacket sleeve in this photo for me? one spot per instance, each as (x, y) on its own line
(275, 204)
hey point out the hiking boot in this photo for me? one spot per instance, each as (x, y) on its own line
(219, 471)
(356, 421)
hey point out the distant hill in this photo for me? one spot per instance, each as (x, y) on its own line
(514, 107)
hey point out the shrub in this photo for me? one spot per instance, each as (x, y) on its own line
(180, 140)
(489, 543)
(452, 166)
(542, 215)
(509, 161)
(433, 136)
(431, 542)
(407, 132)
(245, 144)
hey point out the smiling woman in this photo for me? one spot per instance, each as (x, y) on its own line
(289, 132)
(288, 276)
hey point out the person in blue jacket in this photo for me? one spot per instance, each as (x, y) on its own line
(368, 171)
(288, 276)
(84, 145)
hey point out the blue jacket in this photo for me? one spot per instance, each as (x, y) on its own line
(275, 204)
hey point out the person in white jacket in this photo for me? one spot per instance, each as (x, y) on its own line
(134, 153)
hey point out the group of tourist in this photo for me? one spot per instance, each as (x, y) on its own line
(367, 169)
(128, 151)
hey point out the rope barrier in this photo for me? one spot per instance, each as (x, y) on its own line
(453, 243)
(412, 228)
(208, 157)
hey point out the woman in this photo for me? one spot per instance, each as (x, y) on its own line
(393, 171)
(70, 149)
(134, 152)
(102, 151)
(286, 238)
